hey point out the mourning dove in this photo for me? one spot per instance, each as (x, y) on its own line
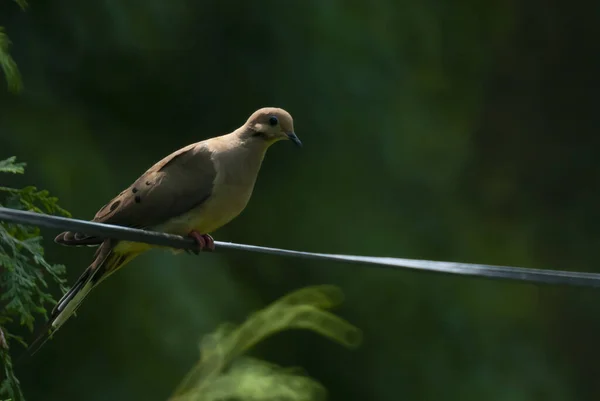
(191, 192)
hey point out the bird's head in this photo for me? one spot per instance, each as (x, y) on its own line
(269, 125)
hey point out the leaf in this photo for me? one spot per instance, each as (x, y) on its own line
(257, 380)
(253, 379)
(9, 165)
(10, 385)
(11, 71)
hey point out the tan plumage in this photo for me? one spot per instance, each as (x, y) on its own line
(198, 188)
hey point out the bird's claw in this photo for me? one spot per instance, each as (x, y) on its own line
(205, 242)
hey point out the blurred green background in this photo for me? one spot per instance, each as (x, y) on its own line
(463, 131)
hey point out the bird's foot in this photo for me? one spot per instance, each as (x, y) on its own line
(205, 242)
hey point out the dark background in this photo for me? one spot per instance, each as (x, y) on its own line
(463, 131)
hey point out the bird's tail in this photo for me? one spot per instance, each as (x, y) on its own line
(105, 263)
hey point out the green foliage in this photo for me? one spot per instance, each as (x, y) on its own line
(252, 379)
(435, 130)
(11, 71)
(10, 166)
(23, 269)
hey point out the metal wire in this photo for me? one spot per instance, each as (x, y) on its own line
(539, 276)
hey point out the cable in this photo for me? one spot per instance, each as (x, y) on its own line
(539, 276)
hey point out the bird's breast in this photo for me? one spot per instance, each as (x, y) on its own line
(232, 189)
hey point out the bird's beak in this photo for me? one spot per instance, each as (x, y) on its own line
(294, 138)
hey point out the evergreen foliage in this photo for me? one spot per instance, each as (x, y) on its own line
(24, 272)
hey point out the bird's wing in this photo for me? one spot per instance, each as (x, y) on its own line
(173, 186)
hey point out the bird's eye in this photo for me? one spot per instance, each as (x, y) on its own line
(273, 121)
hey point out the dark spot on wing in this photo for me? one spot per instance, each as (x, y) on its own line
(134, 190)
(148, 183)
(138, 199)
(115, 205)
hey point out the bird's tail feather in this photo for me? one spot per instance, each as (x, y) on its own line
(105, 263)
